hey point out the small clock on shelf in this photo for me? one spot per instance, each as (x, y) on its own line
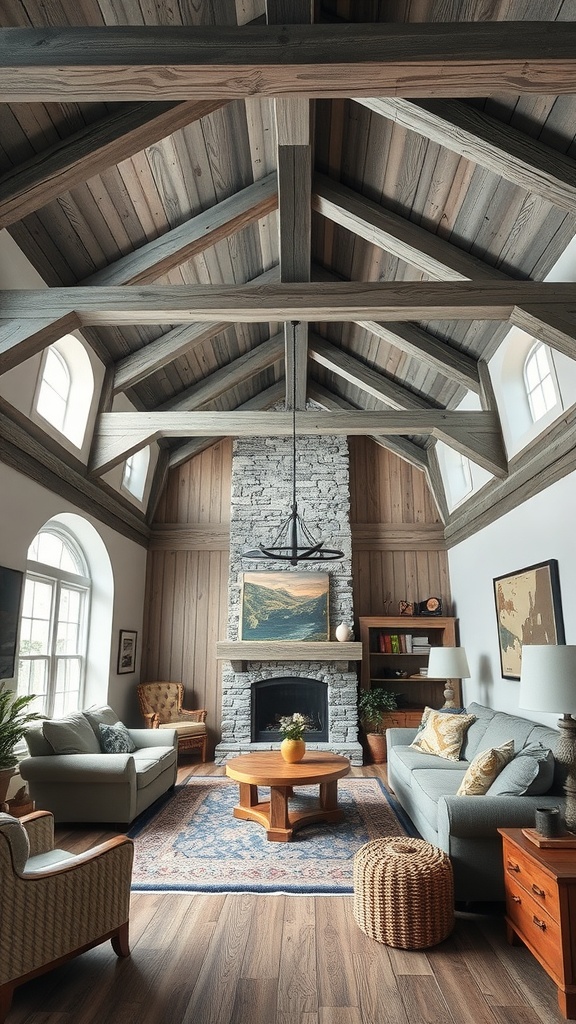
(431, 606)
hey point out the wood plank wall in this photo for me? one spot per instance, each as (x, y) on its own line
(398, 553)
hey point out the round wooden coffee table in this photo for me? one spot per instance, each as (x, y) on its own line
(270, 769)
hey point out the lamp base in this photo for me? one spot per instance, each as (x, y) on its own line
(449, 701)
(565, 754)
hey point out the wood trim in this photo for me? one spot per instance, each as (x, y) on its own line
(221, 62)
(240, 652)
(190, 537)
(398, 536)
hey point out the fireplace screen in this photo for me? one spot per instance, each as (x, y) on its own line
(272, 699)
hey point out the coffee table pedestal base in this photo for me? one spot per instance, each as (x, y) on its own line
(275, 815)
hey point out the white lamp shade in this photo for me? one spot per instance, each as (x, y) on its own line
(448, 663)
(548, 678)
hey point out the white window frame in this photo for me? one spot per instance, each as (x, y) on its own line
(74, 356)
(533, 357)
(135, 473)
(58, 578)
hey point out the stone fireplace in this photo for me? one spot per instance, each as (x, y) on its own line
(261, 499)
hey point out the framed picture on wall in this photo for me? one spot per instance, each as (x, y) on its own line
(285, 606)
(11, 581)
(127, 651)
(529, 611)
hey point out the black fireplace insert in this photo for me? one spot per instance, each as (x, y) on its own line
(273, 699)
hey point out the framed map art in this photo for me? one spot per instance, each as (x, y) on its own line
(529, 611)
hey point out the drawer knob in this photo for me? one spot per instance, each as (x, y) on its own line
(539, 924)
(513, 867)
(538, 892)
(516, 899)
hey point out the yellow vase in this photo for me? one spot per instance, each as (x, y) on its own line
(292, 750)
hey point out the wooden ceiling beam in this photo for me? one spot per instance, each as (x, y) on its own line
(229, 376)
(119, 434)
(159, 62)
(146, 264)
(263, 400)
(433, 255)
(363, 377)
(328, 301)
(177, 342)
(409, 338)
(90, 151)
(402, 446)
(497, 146)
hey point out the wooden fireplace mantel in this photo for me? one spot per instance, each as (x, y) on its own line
(239, 652)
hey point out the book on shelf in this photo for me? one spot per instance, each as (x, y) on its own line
(384, 643)
(408, 641)
(395, 641)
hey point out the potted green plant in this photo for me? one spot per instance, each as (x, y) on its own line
(14, 720)
(373, 706)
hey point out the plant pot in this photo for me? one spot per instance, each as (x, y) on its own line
(5, 777)
(376, 743)
(292, 750)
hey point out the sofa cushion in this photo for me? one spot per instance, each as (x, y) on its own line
(485, 767)
(150, 762)
(443, 735)
(503, 727)
(530, 772)
(37, 743)
(100, 714)
(428, 785)
(71, 735)
(474, 734)
(115, 739)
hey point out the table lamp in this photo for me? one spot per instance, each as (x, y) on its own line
(548, 683)
(448, 663)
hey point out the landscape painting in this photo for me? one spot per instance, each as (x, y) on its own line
(284, 606)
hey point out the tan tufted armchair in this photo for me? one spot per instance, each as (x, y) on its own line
(55, 905)
(161, 707)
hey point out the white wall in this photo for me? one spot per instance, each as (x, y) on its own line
(541, 529)
(24, 507)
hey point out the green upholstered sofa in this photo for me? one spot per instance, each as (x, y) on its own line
(466, 826)
(69, 774)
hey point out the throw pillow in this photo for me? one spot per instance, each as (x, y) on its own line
(531, 772)
(443, 734)
(485, 767)
(70, 735)
(115, 739)
(97, 713)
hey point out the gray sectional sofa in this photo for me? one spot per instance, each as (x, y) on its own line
(69, 774)
(465, 826)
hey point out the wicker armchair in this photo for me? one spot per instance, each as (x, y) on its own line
(55, 905)
(161, 707)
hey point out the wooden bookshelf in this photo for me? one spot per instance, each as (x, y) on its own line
(394, 652)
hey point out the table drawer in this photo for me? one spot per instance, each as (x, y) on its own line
(530, 877)
(536, 927)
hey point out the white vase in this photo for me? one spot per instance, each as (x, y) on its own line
(343, 632)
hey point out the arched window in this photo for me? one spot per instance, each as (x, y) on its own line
(539, 382)
(54, 389)
(66, 388)
(54, 624)
(135, 473)
(459, 476)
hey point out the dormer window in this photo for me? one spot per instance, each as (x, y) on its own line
(66, 388)
(539, 382)
(135, 473)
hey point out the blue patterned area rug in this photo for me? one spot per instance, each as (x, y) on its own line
(190, 841)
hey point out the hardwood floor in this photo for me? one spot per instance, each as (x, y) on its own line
(264, 959)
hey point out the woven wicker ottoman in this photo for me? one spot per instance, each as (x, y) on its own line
(403, 892)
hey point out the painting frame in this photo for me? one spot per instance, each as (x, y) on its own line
(127, 644)
(532, 592)
(284, 606)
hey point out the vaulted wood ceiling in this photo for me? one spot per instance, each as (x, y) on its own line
(190, 177)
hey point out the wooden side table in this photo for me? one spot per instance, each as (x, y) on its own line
(540, 888)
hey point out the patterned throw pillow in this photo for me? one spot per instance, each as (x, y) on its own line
(115, 739)
(482, 771)
(443, 734)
